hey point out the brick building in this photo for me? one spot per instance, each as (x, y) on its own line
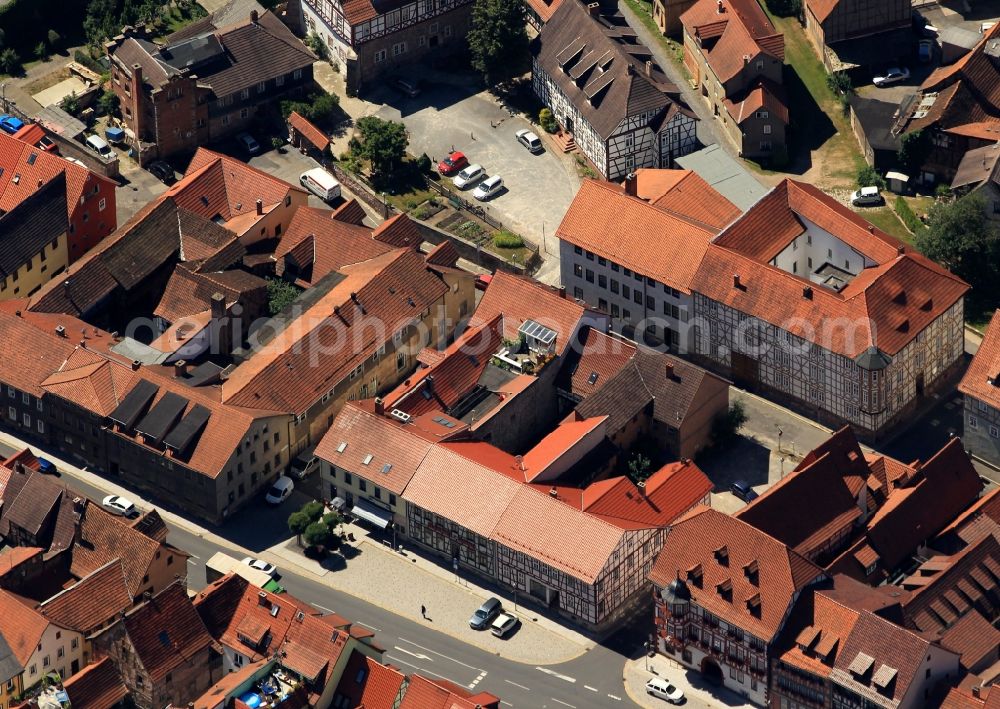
(368, 40)
(205, 83)
(852, 33)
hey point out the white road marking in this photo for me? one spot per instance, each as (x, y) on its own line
(506, 703)
(547, 671)
(477, 680)
(370, 627)
(417, 655)
(324, 608)
(452, 659)
(565, 704)
(526, 689)
(617, 699)
(418, 667)
(592, 689)
(193, 556)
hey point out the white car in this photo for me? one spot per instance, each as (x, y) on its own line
(892, 76)
(529, 140)
(866, 196)
(469, 176)
(261, 565)
(119, 505)
(503, 624)
(662, 689)
(280, 491)
(488, 188)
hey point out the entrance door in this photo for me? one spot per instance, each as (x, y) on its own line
(711, 671)
(746, 370)
(920, 384)
(74, 667)
(569, 124)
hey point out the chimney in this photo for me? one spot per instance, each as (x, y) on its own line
(135, 365)
(594, 8)
(871, 229)
(562, 292)
(147, 595)
(379, 406)
(668, 369)
(630, 69)
(180, 368)
(254, 16)
(807, 293)
(218, 306)
(61, 331)
(642, 487)
(260, 202)
(901, 250)
(736, 282)
(553, 492)
(649, 68)
(746, 60)
(66, 287)
(720, 8)
(631, 185)
(137, 77)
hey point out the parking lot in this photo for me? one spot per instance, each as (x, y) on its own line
(539, 188)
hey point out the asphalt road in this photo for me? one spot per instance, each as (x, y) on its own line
(593, 679)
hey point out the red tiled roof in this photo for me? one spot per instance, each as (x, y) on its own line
(95, 383)
(544, 8)
(973, 637)
(312, 649)
(821, 8)
(896, 299)
(444, 254)
(443, 384)
(600, 357)
(98, 685)
(22, 627)
(519, 299)
(546, 459)
(398, 230)
(982, 379)
(424, 693)
(747, 32)
(308, 131)
(684, 192)
(697, 538)
(166, 632)
(12, 557)
(636, 235)
(367, 683)
(765, 95)
(816, 632)
(91, 602)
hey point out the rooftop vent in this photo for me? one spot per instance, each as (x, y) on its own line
(61, 331)
(400, 415)
(807, 293)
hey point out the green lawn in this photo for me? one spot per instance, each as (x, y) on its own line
(674, 49)
(886, 220)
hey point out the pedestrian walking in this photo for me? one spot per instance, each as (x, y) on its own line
(423, 612)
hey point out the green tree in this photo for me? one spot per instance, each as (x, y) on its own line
(10, 61)
(324, 107)
(70, 104)
(727, 425)
(313, 510)
(383, 143)
(317, 45)
(639, 467)
(279, 295)
(53, 38)
(41, 51)
(960, 237)
(109, 103)
(297, 523)
(316, 534)
(868, 177)
(333, 520)
(840, 83)
(498, 40)
(913, 151)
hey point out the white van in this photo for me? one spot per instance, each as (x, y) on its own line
(100, 146)
(321, 183)
(866, 196)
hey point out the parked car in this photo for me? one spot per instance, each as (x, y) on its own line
(504, 624)
(662, 689)
(301, 468)
(47, 467)
(743, 490)
(925, 50)
(261, 565)
(249, 143)
(410, 87)
(892, 76)
(321, 183)
(100, 146)
(488, 188)
(483, 281)
(162, 171)
(48, 145)
(280, 491)
(485, 614)
(866, 196)
(453, 163)
(469, 176)
(10, 124)
(116, 504)
(529, 140)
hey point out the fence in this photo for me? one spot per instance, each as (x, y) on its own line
(461, 203)
(363, 191)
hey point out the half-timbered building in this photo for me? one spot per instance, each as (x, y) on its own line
(368, 39)
(605, 89)
(804, 299)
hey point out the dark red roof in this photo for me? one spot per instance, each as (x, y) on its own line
(97, 686)
(308, 131)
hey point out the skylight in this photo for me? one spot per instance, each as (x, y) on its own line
(368, 459)
(342, 447)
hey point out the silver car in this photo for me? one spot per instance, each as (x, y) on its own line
(469, 176)
(485, 614)
(529, 140)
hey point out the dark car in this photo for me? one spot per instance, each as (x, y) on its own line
(485, 614)
(47, 467)
(742, 490)
(453, 163)
(162, 171)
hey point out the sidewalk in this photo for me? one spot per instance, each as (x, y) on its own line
(396, 583)
(697, 691)
(402, 582)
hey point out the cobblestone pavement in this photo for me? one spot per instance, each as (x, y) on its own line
(402, 583)
(699, 693)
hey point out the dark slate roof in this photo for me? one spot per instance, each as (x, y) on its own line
(573, 46)
(9, 666)
(139, 51)
(876, 118)
(32, 224)
(34, 503)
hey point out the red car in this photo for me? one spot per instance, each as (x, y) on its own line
(483, 281)
(453, 163)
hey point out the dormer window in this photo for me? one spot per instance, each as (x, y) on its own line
(722, 555)
(725, 589)
(750, 571)
(694, 575)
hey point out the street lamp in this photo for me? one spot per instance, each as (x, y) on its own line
(780, 433)
(645, 652)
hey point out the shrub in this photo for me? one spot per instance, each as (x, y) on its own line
(424, 164)
(41, 51)
(53, 38)
(70, 104)
(868, 177)
(277, 142)
(726, 426)
(317, 45)
(10, 61)
(907, 216)
(785, 8)
(504, 239)
(109, 103)
(943, 191)
(840, 83)
(547, 121)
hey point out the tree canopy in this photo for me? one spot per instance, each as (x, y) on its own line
(498, 40)
(383, 143)
(960, 237)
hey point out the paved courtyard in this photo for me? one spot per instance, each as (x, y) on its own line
(445, 116)
(698, 693)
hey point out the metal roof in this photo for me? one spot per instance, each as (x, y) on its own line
(163, 416)
(134, 403)
(728, 177)
(539, 332)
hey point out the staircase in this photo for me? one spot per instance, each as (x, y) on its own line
(564, 140)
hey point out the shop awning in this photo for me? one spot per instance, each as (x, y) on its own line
(370, 513)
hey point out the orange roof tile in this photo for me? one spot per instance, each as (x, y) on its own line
(545, 459)
(982, 379)
(12, 557)
(598, 358)
(22, 627)
(765, 95)
(308, 131)
(821, 8)
(973, 637)
(92, 601)
(747, 33)
(425, 693)
(97, 685)
(684, 192)
(618, 227)
(695, 538)
(519, 299)
(367, 683)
